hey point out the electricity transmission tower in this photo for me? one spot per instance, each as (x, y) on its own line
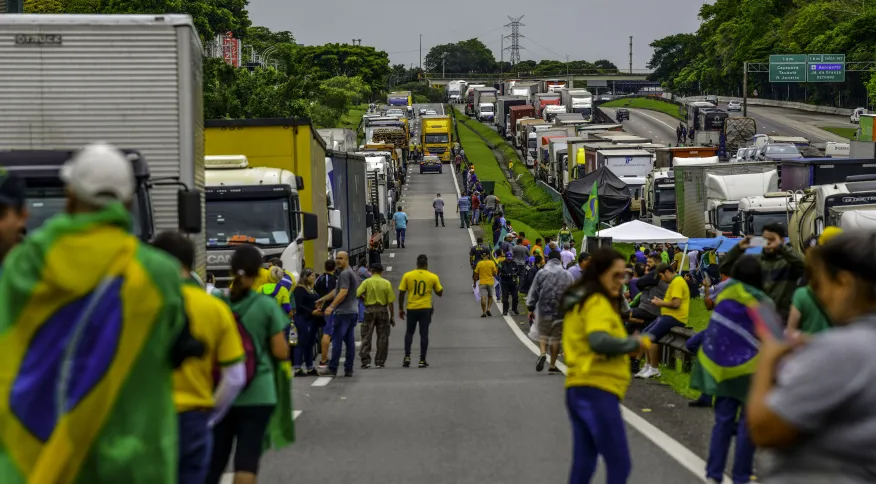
(515, 37)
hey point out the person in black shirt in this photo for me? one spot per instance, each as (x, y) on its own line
(508, 274)
(323, 286)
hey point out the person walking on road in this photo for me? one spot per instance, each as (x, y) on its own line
(463, 207)
(400, 220)
(345, 310)
(438, 206)
(420, 283)
(484, 280)
(476, 253)
(490, 204)
(378, 296)
(544, 299)
(475, 208)
(325, 286)
(509, 274)
(596, 348)
(520, 253)
(307, 320)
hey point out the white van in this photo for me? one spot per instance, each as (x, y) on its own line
(836, 150)
(856, 115)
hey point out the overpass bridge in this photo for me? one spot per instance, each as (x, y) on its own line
(600, 78)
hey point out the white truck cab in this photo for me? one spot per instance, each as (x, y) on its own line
(485, 111)
(254, 205)
(856, 115)
(757, 212)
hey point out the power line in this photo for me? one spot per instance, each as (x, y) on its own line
(515, 37)
(559, 56)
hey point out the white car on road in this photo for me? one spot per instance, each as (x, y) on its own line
(734, 106)
(430, 112)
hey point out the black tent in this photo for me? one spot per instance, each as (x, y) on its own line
(614, 196)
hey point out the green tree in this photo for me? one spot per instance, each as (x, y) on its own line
(43, 6)
(211, 17)
(332, 60)
(468, 56)
(605, 64)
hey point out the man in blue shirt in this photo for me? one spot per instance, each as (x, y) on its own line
(463, 207)
(400, 220)
(13, 212)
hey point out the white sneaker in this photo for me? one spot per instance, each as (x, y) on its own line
(641, 373)
(651, 373)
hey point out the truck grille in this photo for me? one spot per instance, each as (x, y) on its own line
(438, 150)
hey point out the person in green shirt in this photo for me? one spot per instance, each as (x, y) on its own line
(806, 314)
(243, 427)
(564, 236)
(377, 294)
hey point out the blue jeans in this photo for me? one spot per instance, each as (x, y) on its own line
(597, 429)
(303, 354)
(361, 311)
(463, 219)
(195, 446)
(661, 327)
(400, 237)
(726, 409)
(345, 333)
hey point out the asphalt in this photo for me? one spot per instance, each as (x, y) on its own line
(658, 126)
(479, 414)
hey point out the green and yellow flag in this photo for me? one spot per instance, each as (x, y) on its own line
(88, 319)
(281, 428)
(498, 243)
(591, 212)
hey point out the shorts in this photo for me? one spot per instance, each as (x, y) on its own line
(661, 327)
(329, 327)
(549, 331)
(487, 290)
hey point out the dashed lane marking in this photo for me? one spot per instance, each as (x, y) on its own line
(392, 254)
(321, 381)
(388, 268)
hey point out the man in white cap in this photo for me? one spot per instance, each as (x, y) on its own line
(114, 304)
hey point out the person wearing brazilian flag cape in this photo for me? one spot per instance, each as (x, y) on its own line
(725, 364)
(90, 329)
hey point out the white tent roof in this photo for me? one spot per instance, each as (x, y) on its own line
(638, 231)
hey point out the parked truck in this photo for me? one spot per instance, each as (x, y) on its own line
(665, 156)
(399, 98)
(453, 91)
(578, 101)
(59, 99)
(289, 144)
(522, 88)
(483, 95)
(553, 85)
(757, 212)
(708, 194)
(468, 98)
(658, 199)
(849, 205)
(541, 101)
(802, 174)
(502, 120)
(631, 166)
(515, 114)
(382, 193)
(349, 200)
(339, 139)
(437, 136)
(485, 112)
(235, 192)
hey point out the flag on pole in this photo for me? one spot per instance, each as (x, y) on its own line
(502, 235)
(591, 212)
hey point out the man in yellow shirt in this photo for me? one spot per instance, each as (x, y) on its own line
(420, 283)
(674, 309)
(484, 279)
(213, 325)
(378, 296)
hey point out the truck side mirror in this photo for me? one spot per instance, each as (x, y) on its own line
(337, 237)
(310, 226)
(188, 205)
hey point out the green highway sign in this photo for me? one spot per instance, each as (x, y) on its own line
(808, 68)
(788, 72)
(793, 58)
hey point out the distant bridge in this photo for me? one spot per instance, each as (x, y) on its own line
(599, 78)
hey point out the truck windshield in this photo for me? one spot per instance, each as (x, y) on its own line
(437, 138)
(232, 221)
(725, 218)
(664, 199)
(486, 109)
(531, 144)
(45, 203)
(759, 220)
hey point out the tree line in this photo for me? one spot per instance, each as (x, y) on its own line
(319, 82)
(474, 57)
(711, 60)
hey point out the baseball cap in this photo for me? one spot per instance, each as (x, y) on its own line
(99, 174)
(12, 189)
(828, 233)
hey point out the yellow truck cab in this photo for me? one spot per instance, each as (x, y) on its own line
(234, 193)
(437, 136)
(290, 144)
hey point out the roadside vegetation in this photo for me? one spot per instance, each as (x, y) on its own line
(646, 103)
(848, 133)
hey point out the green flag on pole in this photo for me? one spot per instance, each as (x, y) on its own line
(502, 235)
(591, 212)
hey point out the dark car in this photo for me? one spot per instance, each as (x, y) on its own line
(622, 114)
(431, 164)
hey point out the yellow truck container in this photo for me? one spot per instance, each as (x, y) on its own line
(286, 143)
(437, 136)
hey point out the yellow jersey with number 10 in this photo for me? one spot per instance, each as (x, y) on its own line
(419, 284)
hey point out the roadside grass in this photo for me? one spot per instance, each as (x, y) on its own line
(848, 133)
(644, 103)
(353, 117)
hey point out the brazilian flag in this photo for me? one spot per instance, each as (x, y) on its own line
(591, 212)
(728, 356)
(88, 319)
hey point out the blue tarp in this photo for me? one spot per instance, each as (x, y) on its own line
(700, 244)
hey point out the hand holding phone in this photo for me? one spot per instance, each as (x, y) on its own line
(758, 241)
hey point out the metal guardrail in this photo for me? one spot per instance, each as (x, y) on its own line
(771, 103)
(675, 349)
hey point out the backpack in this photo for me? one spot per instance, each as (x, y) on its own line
(250, 361)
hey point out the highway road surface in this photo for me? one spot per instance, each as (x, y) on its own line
(659, 127)
(479, 414)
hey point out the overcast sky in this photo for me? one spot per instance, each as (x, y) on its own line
(585, 30)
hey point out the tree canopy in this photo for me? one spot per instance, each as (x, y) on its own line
(321, 82)
(737, 31)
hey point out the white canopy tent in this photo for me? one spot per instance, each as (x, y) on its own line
(638, 231)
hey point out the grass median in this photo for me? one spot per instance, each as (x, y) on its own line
(848, 133)
(646, 103)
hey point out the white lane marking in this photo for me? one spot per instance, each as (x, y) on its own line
(321, 381)
(652, 117)
(295, 414)
(394, 242)
(388, 268)
(392, 254)
(672, 447)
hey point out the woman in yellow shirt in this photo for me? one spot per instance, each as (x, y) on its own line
(596, 348)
